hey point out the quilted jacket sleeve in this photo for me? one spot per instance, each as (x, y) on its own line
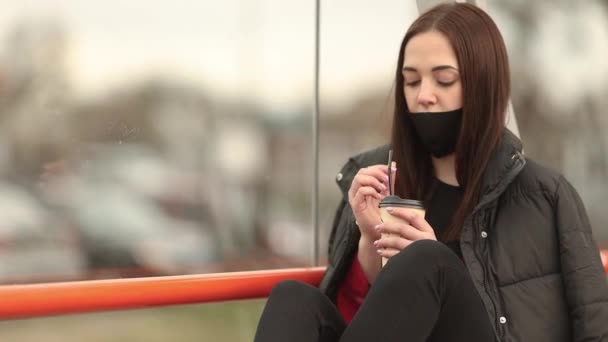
(343, 232)
(585, 284)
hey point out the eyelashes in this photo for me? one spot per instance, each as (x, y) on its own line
(441, 84)
(445, 84)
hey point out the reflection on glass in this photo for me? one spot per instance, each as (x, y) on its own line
(161, 139)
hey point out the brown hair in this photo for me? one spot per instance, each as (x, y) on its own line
(484, 72)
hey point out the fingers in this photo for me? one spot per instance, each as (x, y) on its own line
(380, 172)
(365, 180)
(401, 229)
(388, 246)
(369, 177)
(413, 218)
(370, 184)
(363, 192)
(388, 253)
(392, 241)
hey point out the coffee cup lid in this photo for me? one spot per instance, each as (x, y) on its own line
(398, 201)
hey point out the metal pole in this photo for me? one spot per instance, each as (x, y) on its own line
(315, 138)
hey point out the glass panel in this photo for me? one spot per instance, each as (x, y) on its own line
(560, 77)
(162, 139)
(231, 321)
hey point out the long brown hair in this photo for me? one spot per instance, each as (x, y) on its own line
(486, 84)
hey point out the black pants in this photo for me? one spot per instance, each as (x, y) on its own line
(424, 293)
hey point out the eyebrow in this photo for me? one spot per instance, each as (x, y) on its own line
(437, 68)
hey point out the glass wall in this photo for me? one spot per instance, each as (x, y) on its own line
(144, 139)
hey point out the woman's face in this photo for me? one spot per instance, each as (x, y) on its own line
(430, 72)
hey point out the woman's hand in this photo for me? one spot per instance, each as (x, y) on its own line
(369, 186)
(398, 235)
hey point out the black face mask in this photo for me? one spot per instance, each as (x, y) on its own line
(438, 131)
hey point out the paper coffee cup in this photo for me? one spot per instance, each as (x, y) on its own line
(397, 202)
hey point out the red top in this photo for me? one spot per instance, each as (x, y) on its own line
(352, 291)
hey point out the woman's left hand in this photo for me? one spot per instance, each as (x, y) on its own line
(398, 235)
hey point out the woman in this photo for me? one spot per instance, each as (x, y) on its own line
(515, 261)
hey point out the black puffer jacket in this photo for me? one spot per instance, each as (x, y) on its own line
(527, 245)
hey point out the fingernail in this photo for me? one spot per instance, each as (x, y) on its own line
(377, 227)
(390, 210)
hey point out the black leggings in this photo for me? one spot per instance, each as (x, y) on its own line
(424, 293)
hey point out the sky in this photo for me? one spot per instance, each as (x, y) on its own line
(260, 49)
(263, 50)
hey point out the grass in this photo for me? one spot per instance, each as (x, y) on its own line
(228, 321)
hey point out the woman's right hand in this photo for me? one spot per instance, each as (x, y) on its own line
(368, 188)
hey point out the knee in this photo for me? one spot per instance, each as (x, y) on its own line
(425, 253)
(293, 289)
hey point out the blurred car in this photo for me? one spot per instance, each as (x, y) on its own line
(35, 245)
(122, 200)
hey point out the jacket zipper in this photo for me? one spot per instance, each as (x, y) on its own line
(499, 328)
(486, 285)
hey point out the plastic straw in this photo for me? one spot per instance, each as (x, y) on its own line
(390, 163)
